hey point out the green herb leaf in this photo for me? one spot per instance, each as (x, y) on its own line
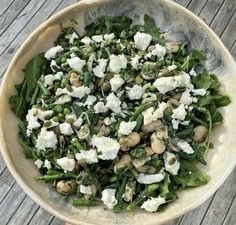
(221, 100)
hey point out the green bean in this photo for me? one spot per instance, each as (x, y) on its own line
(139, 122)
(43, 89)
(87, 78)
(35, 95)
(48, 178)
(77, 144)
(118, 206)
(86, 202)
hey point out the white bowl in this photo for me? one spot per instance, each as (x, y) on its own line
(178, 23)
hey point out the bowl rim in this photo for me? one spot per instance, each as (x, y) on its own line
(3, 147)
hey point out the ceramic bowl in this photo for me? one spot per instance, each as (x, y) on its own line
(179, 24)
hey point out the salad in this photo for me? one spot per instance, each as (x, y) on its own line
(118, 116)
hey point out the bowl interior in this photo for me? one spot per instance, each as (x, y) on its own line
(179, 24)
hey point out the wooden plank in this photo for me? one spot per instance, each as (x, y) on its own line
(220, 204)
(223, 17)
(182, 2)
(210, 10)
(57, 221)
(228, 37)
(16, 26)
(11, 203)
(231, 216)
(195, 216)
(24, 213)
(5, 4)
(2, 163)
(41, 217)
(48, 9)
(197, 6)
(233, 50)
(12, 12)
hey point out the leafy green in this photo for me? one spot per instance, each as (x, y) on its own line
(190, 175)
(106, 25)
(221, 100)
(151, 28)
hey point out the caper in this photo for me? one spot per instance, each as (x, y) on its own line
(106, 87)
(69, 88)
(138, 80)
(47, 123)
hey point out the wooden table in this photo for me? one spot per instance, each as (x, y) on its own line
(18, 18)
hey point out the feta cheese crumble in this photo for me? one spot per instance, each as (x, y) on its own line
(99, 70)
(66, 128)
(149, 178)
(89, 156)
(52, 52)
(136, 92)
(142, 40)
(185, 147)
(100, 107)
(46, 139)
(86, 40)
(66, 164)
(73, 37)
(107, 146)
(117, 62)
(108, 198)
(97, 38)
(48, 79)
(116, 82)
(87, 190)
(152, 204)
(172, 165)
(76, 64)
(179, 113)
(126, 127)
(113, 103)
(159, 51)
(135, 62)
(38, 163)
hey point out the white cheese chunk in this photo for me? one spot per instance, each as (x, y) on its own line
(200, 92)
(63, 99)
(116, 82)
(179, 113)
(79, 92)
(186, 98)
(117, 62)
(107, 146)
(100, 107)
(46, 139)
(48, 79)
(172, 67)
(66, 128)
(87, 190)
(147, 115)
(58, 76)
(89, 156)
(113, 103)
(108, 121)
(185, 147)
(52, 52)
(47, 164)
(76, 64)
(159, 51)
(152, 204)
(175, 124)
(193, 72)
(172, 165)
(91, 99)
(73, 37)
(142, 40)
(109, 37)
(149, 178)
(108, 198)
(66, 164)
(97, 38)
(165, 84)
(99, 70)
(78, 122)
(135, 62)
(136, 92)
(38, 163)
(126, 127)
(86, 40)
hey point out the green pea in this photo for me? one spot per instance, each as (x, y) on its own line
(152, 88)
(60, 116)
(55, 119)
(63, 60)
(64, 82)
(57, 108)
(66, 111)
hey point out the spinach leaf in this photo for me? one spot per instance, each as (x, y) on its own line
(190, 175)
(204, 100)
(221, 100)
(151, 28)
(107, 24)
(33, 70)
(203, 80)
(26, 148)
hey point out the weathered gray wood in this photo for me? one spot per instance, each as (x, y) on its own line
(197, 6)
(41, 218)
(231, 216)
(6, 182)
(11, 14)
(24, 17)
(11, 203)
(56, 221)
(210, 10)
(228, 37)
(182, 2)
(2, 164)
(220, 204)
(24, 213)
(48, 9)
(233, 50)
(223, 17)
(5, 4)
